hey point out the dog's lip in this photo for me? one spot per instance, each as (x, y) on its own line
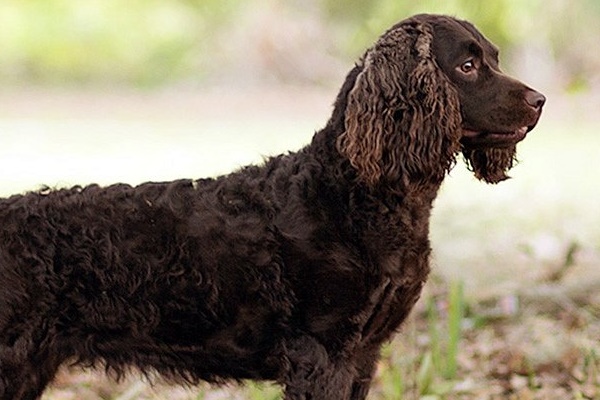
(516, 135)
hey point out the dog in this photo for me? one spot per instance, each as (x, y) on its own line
(296, 270)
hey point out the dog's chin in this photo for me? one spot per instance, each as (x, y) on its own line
(481, 139)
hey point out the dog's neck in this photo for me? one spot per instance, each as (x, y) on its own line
(401, 205)
(404, 187)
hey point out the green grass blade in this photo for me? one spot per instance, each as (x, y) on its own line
(455, 316)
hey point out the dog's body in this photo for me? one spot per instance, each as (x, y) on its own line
(294, 271)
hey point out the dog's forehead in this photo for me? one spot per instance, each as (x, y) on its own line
(456, 38)
(453, 31)
(488, 46)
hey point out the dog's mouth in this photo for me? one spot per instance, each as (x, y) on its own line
(476, 138)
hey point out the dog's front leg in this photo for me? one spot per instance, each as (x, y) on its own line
(366, 362)
(311, 373)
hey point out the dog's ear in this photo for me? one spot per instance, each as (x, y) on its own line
(368, 119)
(490, 165)
(402, 118)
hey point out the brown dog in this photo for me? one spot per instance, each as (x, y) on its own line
(294, 271)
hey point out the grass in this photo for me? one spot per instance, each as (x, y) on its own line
(432, 372)
(511, 311)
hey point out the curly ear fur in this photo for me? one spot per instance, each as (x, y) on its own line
(490, 165)
(402, 119)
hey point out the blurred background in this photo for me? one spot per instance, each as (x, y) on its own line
(129, 91)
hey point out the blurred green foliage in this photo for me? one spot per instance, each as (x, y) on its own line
(148, 42)
(502, 20)
(138, 41)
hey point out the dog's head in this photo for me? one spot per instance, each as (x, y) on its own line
(428, 88)
(497, 111)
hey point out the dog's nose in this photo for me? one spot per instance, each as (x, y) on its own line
(535, 99)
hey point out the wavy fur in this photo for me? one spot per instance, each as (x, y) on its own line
(403, 115)
(491, 165)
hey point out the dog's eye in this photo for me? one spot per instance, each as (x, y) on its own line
(468, 66)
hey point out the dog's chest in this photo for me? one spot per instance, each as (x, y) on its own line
(390, 302)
